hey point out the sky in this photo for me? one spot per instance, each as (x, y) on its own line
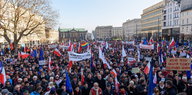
(89, 14)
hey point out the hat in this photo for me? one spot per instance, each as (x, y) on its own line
(20, 79)
(4, 91)
(131, 82)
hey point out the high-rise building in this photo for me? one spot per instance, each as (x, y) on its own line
(117, 33)
(171, 20)
(186, 20)
(151, 20)
(131, 29)
(103, 32)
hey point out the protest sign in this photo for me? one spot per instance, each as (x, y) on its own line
(135, 70)
(78, 57)
(180, 64)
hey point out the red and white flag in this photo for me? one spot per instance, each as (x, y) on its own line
(49, 64)
(79, 48)
(57, 52)
(147, 68)
(82, 77)
(155, 79)
(151, 41)
(23, 55)
(172, 43)
(114, 73)
(116, 85)
(2, 74)
(70, 62)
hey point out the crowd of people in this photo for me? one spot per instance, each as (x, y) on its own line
(24, 76)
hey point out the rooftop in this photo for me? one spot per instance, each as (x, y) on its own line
(71, 29)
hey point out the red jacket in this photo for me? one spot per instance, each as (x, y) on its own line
(93, 91)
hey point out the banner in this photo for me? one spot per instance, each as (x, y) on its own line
(63, 46)
(142, 46)
(135, 70)
(180, 64)
(52, 46)
(42, 62)
(130, 42)
(78, 57)
(131, 60)
(131, 49)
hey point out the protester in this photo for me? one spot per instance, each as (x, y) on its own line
(47, 70)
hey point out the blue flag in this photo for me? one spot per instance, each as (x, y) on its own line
(151, 85)
(41, 54)
(145, 42)
(68, 83)
(34, 53)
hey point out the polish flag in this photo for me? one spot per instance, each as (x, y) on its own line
(114, 73)
(79, 48)
(155, 79)
(70, 47)
(147, 68)
(158, 48)
(151, 41)
(70, 62)
(49, 64)
(82, 77)
(57, 52)
(23, 55)
(116, 85)
(172, 43)
(2, 74)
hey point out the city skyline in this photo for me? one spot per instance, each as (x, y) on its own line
(90, 14)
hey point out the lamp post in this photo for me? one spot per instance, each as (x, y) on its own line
(158, 31)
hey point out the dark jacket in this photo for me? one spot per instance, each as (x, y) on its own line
(171, 91)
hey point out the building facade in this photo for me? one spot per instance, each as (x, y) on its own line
(89, 36)
(52, 36)
(72, 34)
(103, 32)
(131, 29)
(186, 20)
(117, 33)
(151, 21)
(171, 20)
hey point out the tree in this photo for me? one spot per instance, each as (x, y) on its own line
(21, 18)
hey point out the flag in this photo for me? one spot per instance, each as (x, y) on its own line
(102, 57)
(158, 47)
(68, 83)
(155, 79)
(151, 41)
(70, 47)
(151, 85)
(34, 53)
(147, 68)
(79, 48)
(41, 54)
(114, 73)
(11, 46)
(84, 45)
(82, 77)
(2, 73)
(49, 64)
(23, 55)
(57, 52)
(172, 43)
(123, 52)
(106, 45)
(116, 85)
(42, 60)
(144, 42)
(70, 62)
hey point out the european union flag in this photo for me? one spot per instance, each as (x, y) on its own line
(41, 54)
(151, 85)
(34, 53)
(68, 83)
